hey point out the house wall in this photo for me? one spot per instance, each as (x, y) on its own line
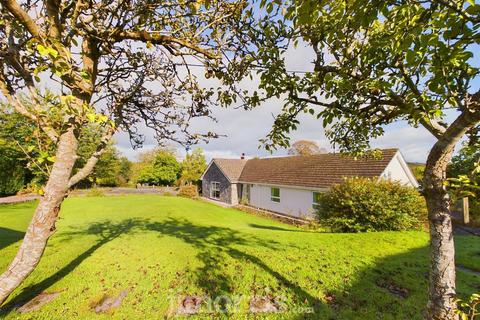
(293, 202)
(234, 193)
(398, 170)
(215, 174)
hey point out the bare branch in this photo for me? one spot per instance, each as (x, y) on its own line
(92, 161)
(17, 11)
(156, 38)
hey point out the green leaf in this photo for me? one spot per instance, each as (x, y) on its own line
(85, 75)
(47, 51)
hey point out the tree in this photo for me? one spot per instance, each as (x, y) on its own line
(125, 171)
(13, 171)
(305, 148)
(193, 166)
(116, 64)
(163, 170)
(375, 63)
(107, 169)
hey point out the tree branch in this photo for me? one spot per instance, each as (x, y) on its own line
(92, 161)
(161, 39)
(20, 108)
(465, 15)
(53, 14)
(16, 10)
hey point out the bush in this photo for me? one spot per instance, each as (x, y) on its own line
(362, 204)
(188, 191)
(95, 192)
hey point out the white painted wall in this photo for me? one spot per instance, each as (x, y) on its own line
(293, 202)
(297, 202)
(398, 170)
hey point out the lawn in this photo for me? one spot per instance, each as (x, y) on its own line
(162, 249)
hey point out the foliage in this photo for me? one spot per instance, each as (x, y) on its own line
(364, 204)
(27, 152)
(95, 192)
(124, 171)
(207, 249)
(305, 148)
(163, 170)
(471, 309)
(126, 48)
(418, 169)
(464, 172)
(193, 166)
(24, 146)
(12, 171)
(474, 210)
(188, 191)
(375, 62)
(107, 169)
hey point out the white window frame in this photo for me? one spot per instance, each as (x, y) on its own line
(274, 198)
(214, 187)
(315, 205)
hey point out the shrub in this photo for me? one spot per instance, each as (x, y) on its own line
(362, 204)
(95, 192)
(188, 191)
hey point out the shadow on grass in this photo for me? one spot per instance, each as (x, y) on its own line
(395, 286)
(106, 231)
(9, 236)
(275, 228)
(214, 243)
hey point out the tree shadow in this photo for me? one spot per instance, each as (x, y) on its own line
(214, 244)
(275, 228)
(390, 288)
(9, 236)
(106, 232)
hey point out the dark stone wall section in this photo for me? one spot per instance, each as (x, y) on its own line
(214, 174)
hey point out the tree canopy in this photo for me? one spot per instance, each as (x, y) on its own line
(193, 166)
(163, 169)
(305, 148)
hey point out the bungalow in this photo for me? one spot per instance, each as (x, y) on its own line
(290, 185)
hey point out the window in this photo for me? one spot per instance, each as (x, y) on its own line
(275, 194)
(316, 200)
(215, 190)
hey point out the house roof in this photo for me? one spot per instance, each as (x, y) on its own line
(231, 168)
(315, 171)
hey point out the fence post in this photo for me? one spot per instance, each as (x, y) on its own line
(466, 211)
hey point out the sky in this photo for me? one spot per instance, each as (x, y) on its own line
(241, 130)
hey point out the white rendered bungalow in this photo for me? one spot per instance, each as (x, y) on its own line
(290, 185)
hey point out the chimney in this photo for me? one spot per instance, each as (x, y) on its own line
(243, 156)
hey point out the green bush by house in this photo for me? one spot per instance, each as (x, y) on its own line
(362, 204)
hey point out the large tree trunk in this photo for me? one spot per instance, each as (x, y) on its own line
(42, 225)
(441, 293)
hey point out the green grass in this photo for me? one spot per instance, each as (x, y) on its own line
(162, 248)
